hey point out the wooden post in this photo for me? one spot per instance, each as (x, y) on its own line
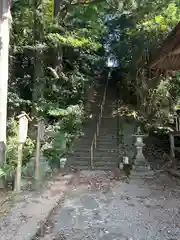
(40, 136)
(23, 129)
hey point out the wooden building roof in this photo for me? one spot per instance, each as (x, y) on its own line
(167, 56)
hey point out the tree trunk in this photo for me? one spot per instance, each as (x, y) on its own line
(38, 75)
(38, 83)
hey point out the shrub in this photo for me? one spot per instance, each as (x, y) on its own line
(60, 136)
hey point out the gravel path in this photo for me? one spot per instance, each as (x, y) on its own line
(100, 207)
(21, 217)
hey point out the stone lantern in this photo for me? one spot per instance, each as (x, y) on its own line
(140, 161)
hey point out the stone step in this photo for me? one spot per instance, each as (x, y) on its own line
(110, 148)
(98, 149)
(83, 143)
(101, 163)
(105, 166)
(104, 156)
(81, 149)
(100, 144)
(108, 130)
(106, 148)
(108, 119)
(88, 165)
(81, 163)
(107, 140)
(97, 160)
(84, 140)
(100, 156)
(107, 136)
(82, 146)
(95, 167)
(108, 126)
(106, 145)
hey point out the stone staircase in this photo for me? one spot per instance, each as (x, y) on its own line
(106, 152)
(80, 156)
(105, 155)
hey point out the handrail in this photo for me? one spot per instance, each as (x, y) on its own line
(96, 134)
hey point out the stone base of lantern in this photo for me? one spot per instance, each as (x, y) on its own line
(141, 166)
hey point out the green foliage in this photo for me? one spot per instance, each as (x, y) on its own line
(161, 101)
(2, 172)
(54, 147)
(138, 32)
(55, 39)
(61, 134)
(139, 37)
